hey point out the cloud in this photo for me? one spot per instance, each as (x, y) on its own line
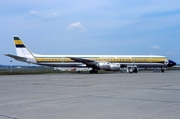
(76, 26)
(33, 12)
(52, 15)
(156, 47)
(40, 16)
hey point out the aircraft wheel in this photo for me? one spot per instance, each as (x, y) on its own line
(91, 71)
(162, 70)
(95, 71)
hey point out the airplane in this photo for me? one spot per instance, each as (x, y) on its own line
(96, 62)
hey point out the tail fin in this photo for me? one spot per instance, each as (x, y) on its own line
(23, 51)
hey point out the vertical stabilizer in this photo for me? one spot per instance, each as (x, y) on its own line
(23, 51)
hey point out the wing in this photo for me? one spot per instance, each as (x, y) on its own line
(17, 57)
(84, 61)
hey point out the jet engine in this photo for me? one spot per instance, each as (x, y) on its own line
(108, 66)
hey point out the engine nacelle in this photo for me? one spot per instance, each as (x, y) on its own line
(108, 66)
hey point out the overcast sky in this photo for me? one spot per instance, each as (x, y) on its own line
(115, 27)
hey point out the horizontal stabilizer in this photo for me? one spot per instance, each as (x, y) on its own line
(17, 57)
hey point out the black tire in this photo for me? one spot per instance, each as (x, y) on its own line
(95, 71)
(91, 71)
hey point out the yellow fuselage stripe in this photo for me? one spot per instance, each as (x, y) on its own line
(119, 59)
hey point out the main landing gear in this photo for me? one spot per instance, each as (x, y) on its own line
(95, 71)
(132, 69)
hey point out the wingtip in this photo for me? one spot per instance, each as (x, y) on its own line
(6, 54)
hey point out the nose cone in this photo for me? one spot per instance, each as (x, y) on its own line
(171, 63)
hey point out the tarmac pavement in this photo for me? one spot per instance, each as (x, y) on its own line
(145, 95)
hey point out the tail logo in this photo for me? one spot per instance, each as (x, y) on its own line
(18, 43)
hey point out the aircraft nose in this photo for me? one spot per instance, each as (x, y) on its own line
(171, 63)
